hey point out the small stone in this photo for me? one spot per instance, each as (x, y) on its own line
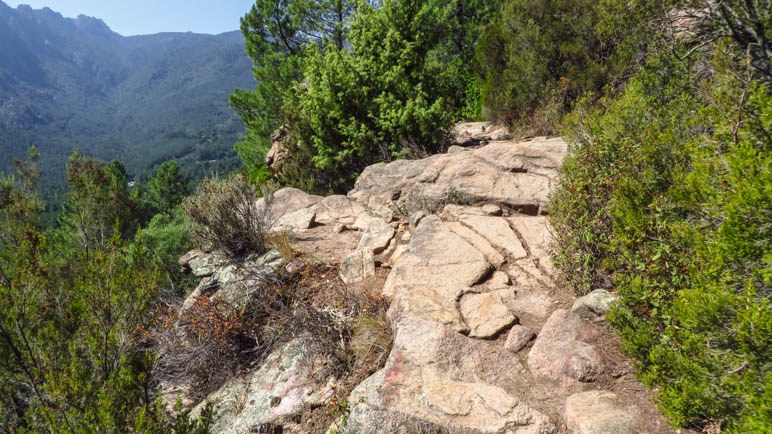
(455, 149)
(377, 235)
(585, 364)
(492, 210)
(595, 305)
(293, 266)
(357, 266)
(559, 353)
(518, 338)
(415, 218)
(485, 314)
(339, 228)
(300, 219)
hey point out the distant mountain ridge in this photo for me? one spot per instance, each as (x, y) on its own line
(72, 83)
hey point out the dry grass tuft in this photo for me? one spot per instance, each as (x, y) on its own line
(226, 215)
(282, 241)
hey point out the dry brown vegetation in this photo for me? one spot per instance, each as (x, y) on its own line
(226, 215)
(347, 328)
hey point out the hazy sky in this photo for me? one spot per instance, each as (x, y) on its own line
(140, 17)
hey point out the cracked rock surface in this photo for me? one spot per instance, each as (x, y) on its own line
(485, 340)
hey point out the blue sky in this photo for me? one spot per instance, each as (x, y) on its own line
(140, 17)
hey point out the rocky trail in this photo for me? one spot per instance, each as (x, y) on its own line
(485, 339)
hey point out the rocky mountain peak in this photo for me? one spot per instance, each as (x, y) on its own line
(92, 25)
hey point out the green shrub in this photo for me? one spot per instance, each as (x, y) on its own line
(393, 92)
(540, 56)
(666, 197)
(389, 84)
(168, 187)
(165, 239)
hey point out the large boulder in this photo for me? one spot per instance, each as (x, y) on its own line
(518, 337)
(430, 277)
(540, 155)
(286, 201)
(303, 218)
(202, 264)
(468, 177)
(337, 209)
(559, 352)
(235, 283)
(369, 419)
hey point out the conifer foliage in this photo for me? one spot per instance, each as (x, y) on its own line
(73, 301)
(355, 82)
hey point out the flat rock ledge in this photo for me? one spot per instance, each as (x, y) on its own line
(485, 340)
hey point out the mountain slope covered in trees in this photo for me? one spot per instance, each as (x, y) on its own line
(75, 84)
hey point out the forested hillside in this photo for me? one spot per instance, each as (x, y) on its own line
(74, 84)
(664, 199)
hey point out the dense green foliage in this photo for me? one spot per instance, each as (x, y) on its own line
(74, 301)
(538, 57)
(666, 198)
(276, 32)
(383, 81)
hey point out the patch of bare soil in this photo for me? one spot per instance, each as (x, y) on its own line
(323, 244)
